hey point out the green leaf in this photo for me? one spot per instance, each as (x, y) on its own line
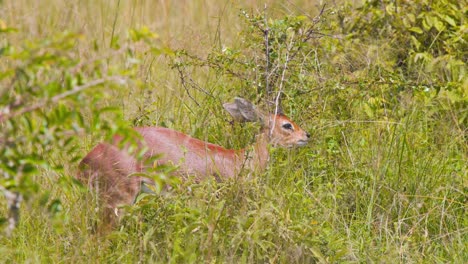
(368, 110)
(7, 29)
(415, 42)
(143, 33)
(450, 20)
(390, 8)
(439, 25)
(417, 30)
(55, 207)
(301, 18)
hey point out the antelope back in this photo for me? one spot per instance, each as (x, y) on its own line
(108, 169)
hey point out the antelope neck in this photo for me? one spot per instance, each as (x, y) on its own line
(257, 156)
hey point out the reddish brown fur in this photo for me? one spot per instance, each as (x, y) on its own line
(108, 169)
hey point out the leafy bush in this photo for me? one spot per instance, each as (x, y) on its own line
(427, 38)
(47, 90)
(383, 180)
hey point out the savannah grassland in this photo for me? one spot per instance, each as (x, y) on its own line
(383, 180)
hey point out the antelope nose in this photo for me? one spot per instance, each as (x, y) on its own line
(307, 135)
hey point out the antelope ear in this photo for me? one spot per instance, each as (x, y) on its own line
(242, 110)
(234, 111)
(247, 109)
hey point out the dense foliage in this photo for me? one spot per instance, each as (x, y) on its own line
(381, 86)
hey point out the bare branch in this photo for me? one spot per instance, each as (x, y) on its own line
(184, 84)
(310, 33)
(266, 32)
(216, 65)
(283, 75)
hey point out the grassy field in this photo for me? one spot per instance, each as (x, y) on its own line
(384, 178)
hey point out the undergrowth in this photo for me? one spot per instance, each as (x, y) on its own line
(380, 86)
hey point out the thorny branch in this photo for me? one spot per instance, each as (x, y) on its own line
(278, 107)
(271, 73)
(267, 54)
(184, 84)
(188, 83)
(215, 65)
(309, 33)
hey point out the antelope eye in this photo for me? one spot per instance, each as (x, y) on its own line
(287, 126)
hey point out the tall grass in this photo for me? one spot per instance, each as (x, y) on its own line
(383, 180)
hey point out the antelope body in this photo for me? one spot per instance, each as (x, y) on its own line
(108, 169)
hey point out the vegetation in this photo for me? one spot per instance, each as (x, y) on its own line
(381, 85)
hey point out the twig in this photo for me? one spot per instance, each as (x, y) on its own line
(213, 64)
(184, 84)
(278, 108)
(310, 32)
(5, 113)
(113, 53)
(266, 32)
(114, 24)
(14, 200)
(342, 122)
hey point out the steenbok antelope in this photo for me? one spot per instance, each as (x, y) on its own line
(108, 169)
